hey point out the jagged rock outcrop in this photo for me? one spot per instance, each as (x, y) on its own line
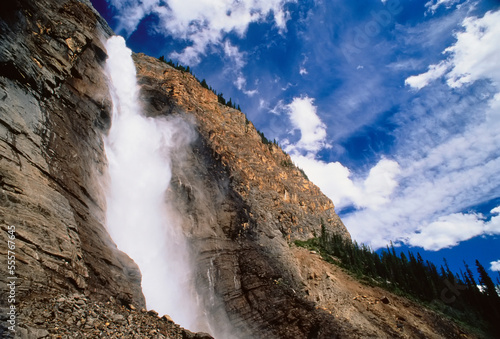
(242, 201)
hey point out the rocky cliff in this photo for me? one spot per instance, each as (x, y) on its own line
(54, 110)
(242, 201)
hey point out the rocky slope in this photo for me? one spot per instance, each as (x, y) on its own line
(76, 316)
(241, 202)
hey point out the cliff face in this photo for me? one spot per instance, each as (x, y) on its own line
(241, 202)
(54, 108)
(246, 202)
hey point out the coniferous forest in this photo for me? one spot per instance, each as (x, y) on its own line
(466, 297)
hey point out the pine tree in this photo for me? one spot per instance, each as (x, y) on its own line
(221, 99)
(485, 280)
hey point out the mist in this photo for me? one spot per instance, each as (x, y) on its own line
(140, 220)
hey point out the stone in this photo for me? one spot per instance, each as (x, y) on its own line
(118, 318)
(385, 300)
(167, 318)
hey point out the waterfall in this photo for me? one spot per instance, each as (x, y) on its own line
(138, 216)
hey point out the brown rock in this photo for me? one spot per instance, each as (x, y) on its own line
(385, 300)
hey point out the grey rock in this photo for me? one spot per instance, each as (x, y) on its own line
(54, 106)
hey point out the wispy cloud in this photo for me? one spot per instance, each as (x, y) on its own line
(203, 23)
(446, 159)
(474, 56)
(445, 169)
(433, 5)
(235, 62)
(422, 80)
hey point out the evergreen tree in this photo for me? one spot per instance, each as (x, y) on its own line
(221, 99)
(485, 281)
(409, 274)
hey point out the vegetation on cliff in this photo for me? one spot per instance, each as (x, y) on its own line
(460, 296)
(187, 69)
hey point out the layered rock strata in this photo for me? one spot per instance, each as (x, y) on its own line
(54, 108)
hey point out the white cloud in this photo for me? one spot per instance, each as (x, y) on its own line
(474, 55)
(332, 178)
(232, 52)
(433, 5)
(380, 184)
(422, 80)
(302, 67)
(431, 188)
(240, 82)
(336, 181)
(447, 231)
(237, 62)
(495, 266)
(251, 92)
(303, 116)
(202, 22)
(493, 226)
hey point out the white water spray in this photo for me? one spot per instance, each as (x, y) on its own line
(138, 217)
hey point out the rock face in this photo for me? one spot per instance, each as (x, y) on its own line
(242, 202)
(54, 108)
(246, 201)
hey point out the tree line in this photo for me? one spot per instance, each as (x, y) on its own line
(186, 69)
(228, 103)
(462, 296)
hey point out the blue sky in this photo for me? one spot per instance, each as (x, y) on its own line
(391, 107)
